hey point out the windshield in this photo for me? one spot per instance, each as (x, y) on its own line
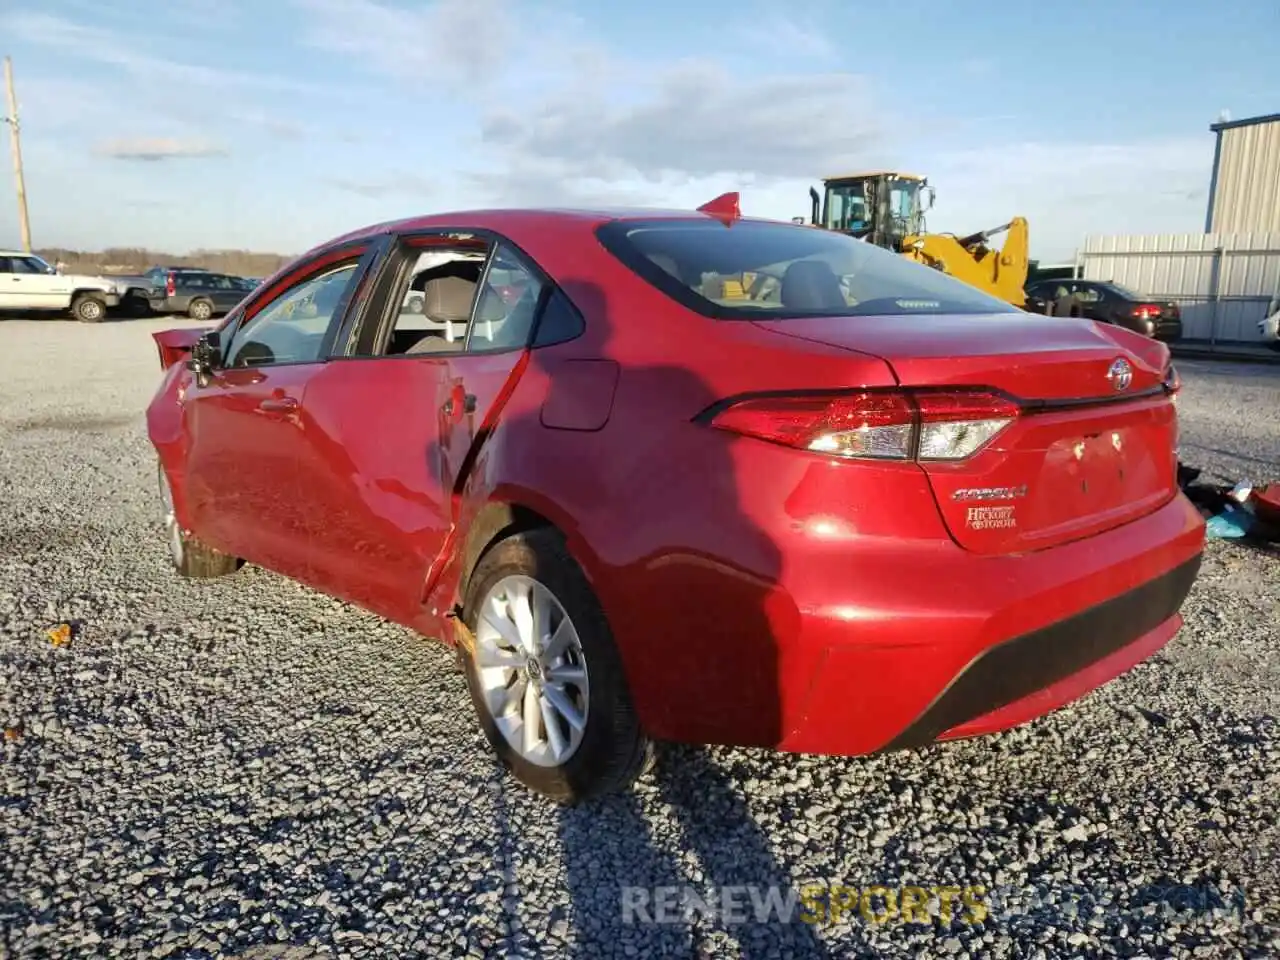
(760, 270)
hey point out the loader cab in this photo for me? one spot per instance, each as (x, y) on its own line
(883, 208)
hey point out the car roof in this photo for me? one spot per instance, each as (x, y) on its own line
(19, 253)
(501, 219)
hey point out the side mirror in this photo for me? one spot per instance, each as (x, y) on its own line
(206, 355)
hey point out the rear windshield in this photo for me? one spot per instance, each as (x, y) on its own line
(761, 270)
(1123, 291)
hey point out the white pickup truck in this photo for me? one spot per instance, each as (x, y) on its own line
(29, 285)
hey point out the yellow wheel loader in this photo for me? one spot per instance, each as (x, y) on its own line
(887, 208)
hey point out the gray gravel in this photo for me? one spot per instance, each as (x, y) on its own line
(247, 768)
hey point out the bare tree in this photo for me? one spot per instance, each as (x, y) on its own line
(132, 260)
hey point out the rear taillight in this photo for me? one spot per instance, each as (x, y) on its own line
(1146, 311)
(875, 425)
(170, 287)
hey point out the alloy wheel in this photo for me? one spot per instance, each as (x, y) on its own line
(532, 671)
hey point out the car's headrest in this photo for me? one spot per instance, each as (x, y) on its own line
(811, 285)
(448, 299)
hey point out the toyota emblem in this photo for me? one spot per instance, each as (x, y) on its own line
(1120, 374)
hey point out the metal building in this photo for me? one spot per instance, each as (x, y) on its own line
(1244, 193)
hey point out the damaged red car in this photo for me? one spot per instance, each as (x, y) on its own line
(689, 476)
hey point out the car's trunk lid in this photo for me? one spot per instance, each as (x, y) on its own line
(1089, 452)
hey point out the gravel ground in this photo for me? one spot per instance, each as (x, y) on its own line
(246, 768)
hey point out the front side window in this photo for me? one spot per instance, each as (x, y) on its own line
(759, 270)
(291, 328)
(31, 266)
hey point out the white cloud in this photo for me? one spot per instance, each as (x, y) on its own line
(696, 119)
(154, 149)
(178, 90)
(445, 43)
(565, 110)
(780, 34)
(1068, 190)
(392, 185)
(123, 52)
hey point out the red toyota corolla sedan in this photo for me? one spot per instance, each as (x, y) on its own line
(675, 475)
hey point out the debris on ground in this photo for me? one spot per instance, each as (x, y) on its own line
(1234, 511)
(62, 634)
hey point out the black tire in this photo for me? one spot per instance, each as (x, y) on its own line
(189, 556)
(88, 308)
(614, 750)
(136, 304)
(200, 309)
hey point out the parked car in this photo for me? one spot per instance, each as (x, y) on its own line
(1106, 302)
(158, 276)
(29, 284)
(819, 521)
(1269, 326)
(200, 294)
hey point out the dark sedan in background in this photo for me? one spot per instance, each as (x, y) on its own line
(1106, 302)
(200, 294)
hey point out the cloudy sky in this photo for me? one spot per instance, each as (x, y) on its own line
(275, 124)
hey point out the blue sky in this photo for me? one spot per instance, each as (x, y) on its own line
(276, 124)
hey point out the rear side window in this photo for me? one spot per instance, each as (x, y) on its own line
(758, 270)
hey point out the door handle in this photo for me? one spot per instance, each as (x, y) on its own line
(278, 405)
(468, 405)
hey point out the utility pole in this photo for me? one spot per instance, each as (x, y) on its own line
(15, 142)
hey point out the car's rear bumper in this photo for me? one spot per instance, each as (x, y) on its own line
(1057, 624)
(1030, 675)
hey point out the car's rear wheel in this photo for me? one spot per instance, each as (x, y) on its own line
(200, 310)
(190, 557)
(87, 308)
(545, 675)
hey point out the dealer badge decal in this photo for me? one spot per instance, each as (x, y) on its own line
(991, 518)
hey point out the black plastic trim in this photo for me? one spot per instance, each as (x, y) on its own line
(1019, 667)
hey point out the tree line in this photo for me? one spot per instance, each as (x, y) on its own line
(243, 263)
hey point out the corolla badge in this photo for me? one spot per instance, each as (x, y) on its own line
(1120, 374)
(990, 493)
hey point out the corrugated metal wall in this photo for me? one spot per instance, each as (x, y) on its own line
(1247, 193)
(1222, 282)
